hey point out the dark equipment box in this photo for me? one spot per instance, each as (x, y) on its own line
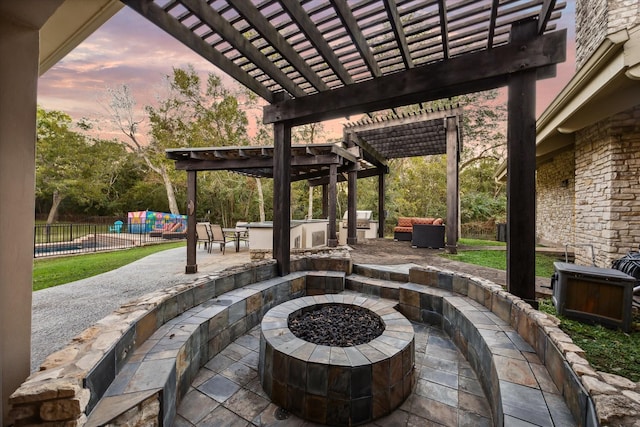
(593, 294)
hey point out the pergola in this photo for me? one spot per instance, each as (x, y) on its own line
(370, 143)
(423, 133)
(310, 60)
(307, 161)
(315, 60)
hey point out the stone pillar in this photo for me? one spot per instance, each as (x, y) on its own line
(19, 48)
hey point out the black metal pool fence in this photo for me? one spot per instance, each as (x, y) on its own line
(65, 239)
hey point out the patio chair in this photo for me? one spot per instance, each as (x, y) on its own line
(217, 236)
(203, 234)
(116, 227)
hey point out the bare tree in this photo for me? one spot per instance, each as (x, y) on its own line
(121, 107)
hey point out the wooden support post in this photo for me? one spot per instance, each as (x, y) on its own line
(192, 181)
(352, 199)
(282, 196)
(381, 207)
(521, 175)
(332, 240)
(453, 159)
(325, 201)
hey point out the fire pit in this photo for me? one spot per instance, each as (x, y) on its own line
(337, 383)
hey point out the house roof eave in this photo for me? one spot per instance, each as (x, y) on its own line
(70, 25)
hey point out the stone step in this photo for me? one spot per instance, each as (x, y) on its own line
(396, 273)
(371, 286)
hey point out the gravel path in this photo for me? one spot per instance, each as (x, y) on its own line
(62, 312)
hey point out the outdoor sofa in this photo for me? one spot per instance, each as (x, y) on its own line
(430, 231)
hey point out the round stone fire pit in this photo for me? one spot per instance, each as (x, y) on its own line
(337, 385)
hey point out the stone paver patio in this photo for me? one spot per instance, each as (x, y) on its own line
(227, 391)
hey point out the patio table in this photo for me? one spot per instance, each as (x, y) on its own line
(235, 232)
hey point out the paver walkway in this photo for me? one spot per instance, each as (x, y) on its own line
(227, 391)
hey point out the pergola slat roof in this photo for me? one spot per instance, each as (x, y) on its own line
(308, 161)
(303, 47)
(414, 134)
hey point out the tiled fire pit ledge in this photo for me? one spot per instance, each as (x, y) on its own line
(337, 385)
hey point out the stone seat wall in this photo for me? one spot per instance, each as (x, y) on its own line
(73, 380)
(169, 360)
(524, 360)
(487, 325)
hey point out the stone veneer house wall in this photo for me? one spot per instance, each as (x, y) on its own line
(589, 159)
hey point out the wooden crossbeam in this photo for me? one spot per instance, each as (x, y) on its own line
(252, 15)
(492, 23)
(444, 28)
(545, 14)
(351, 25)
(210, 17)
(317, 40)
(396, 25)
(473, 72)
(369, 153)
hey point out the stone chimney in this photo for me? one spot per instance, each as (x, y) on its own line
(595, 19)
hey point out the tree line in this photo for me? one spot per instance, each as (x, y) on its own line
(78, 173)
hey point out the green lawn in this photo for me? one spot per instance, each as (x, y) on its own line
(498, 259)
(606, 350)
(65, 232)
(478, 242)
(48, 272)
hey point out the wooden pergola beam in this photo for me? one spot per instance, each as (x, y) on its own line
(317, 40)
(396, 25)
(444, 28)
(473, 72)
(545, 14)
(213, 19)
(351, 25)
(268, 31)
(171, 25)
(369, 153)
(492, 23)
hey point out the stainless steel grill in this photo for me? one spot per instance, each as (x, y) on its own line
(363, 220)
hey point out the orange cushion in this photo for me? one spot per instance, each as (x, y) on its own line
(438, 221)
(404, 221)
(403, 229)
(423, 220)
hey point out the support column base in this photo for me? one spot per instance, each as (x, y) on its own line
(191, 269)
(451, 249)
(352, 240)
(332, 243)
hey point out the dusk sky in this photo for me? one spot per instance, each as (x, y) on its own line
(130, 50)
